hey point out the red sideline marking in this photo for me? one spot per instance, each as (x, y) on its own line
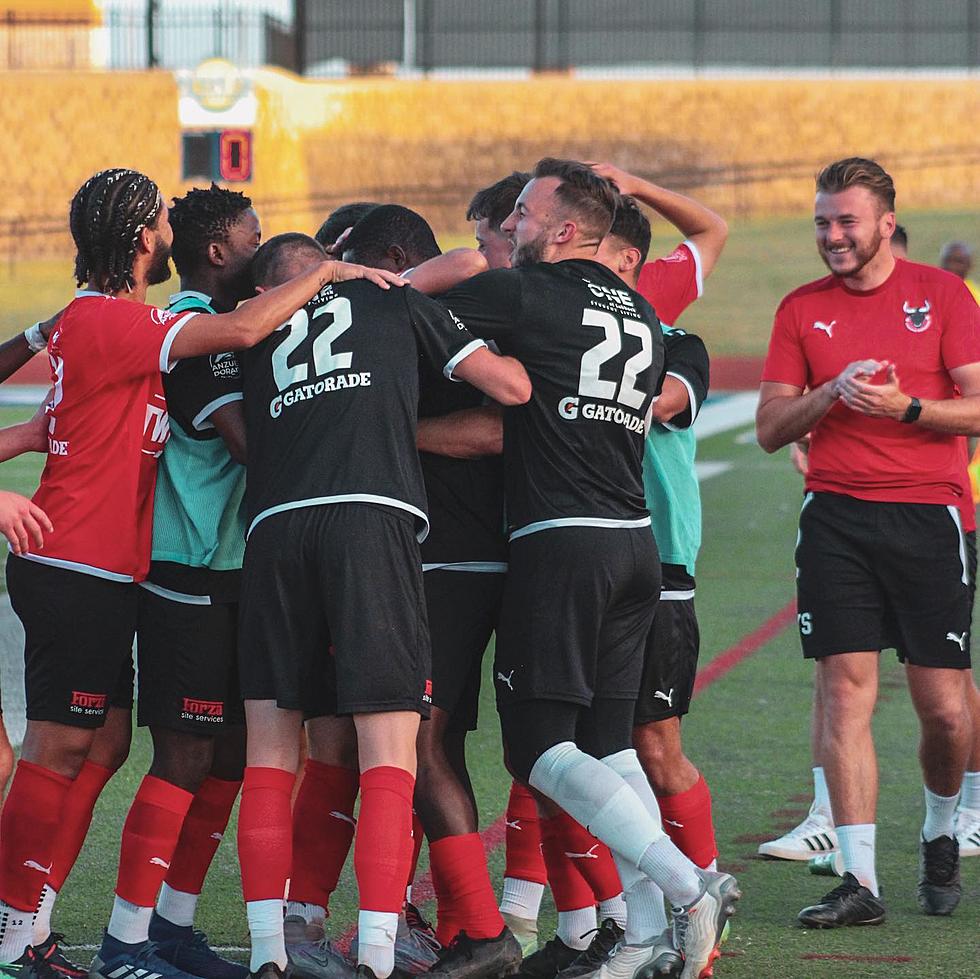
(745, 647)
(813, 956)
(493, 836)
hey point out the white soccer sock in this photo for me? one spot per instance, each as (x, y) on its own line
(821, 794)
(129, 923)
(663, 862)
(614, 908)
(265, 927)
(16, 932)
(41, 925)
(940, 815)
(310, 913)
(575, 927)
(857, 847)
(521, 898)
(177, 907)
(376, 931)
(970, 791)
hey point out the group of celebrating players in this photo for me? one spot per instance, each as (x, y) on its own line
(422, 473)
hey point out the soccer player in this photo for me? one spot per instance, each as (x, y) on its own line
(584, 574)
(957, 257)
(187, 615)
(881, 551)
(464, 561)
(331, 233)
(77, 598)
(336, 506)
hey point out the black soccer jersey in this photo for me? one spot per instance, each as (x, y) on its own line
(331, 400)
(594, 351)
(466, 496)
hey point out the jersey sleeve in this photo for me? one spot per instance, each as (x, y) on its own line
(785, 362)
(198, 387)
(138, 338)
(442, 337)
(686, 358)
(961, 329)
(672, 283)
(489, 304)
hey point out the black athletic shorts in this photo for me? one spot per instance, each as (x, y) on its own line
(670, 662)
(78, 647)
(188, 659)
(332, 613)
(463, 610)
(578, 604)
(874, 575)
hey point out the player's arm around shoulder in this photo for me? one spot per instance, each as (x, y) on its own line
(470, 433)
(441, 273)
(502, 378)
(685, 382)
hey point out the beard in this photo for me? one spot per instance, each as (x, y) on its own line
(862, 254)
(159, 270)
(528, 252)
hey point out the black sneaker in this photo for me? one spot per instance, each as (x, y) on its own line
(848, 904)
(31, 965)
(596, 955)
(50, 951)
(271, 971)
(479, 958)
(548, 960)
(939, 887)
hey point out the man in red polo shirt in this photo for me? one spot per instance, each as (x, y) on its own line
(880, 344)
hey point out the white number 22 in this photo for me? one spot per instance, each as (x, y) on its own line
(590, 384)
(324, 359)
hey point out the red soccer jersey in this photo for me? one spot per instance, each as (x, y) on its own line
(672, 283)
(108, 425)
(924, 321)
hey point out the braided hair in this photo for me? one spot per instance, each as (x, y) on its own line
(107, 215)
(201, 217)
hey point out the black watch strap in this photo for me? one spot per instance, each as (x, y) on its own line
(913, 411)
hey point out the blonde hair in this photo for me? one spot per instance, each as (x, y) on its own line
(856, 171)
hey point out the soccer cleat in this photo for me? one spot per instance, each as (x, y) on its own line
(271, 971)
(635, 961)
(50, 951)
(317, 960)
(698, 928)
(815, 835)
(117, 960)
(525, 930)
(189, 951)
(850, 903)
(479, 958)
(607, 936)
(968, 831)
(368, 972)
(939, 889)
(666, 961)
(31, 966)
(297, 930)
(549, 960)
(416, 945)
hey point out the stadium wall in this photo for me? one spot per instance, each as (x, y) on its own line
(746, 146)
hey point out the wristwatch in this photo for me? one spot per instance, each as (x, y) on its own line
(913, 411)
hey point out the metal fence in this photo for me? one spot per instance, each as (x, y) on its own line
(331, 37)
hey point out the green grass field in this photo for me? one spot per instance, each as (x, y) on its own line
(748, 732)
(764, 259)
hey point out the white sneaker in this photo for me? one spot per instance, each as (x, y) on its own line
(698, 928)
(658, 958)
(968, 832)
(815, 835)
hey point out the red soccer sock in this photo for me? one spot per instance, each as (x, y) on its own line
(149, 839)
(323, 829)
(418, 838)
(592, 858)
(76, 817)
(383, 843)
(523, 837)
(687, 821)
(462, 864)
(569, 888)
(265, 837)
(29, 827)
(447, 919)
(204, 825)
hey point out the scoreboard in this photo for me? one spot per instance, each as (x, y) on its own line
(217, 110)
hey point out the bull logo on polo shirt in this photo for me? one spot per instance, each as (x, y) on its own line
(917, 318)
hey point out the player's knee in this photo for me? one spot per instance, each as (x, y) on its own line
(950, 722)
(182, 759)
